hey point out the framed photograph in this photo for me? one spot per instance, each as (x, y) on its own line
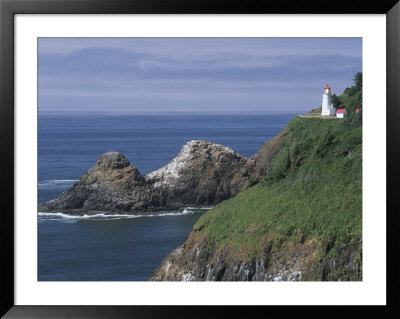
(165, 155)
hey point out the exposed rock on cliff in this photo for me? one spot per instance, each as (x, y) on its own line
(198, 260)
(203, 173)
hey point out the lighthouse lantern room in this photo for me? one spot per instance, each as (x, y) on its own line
(327, 107)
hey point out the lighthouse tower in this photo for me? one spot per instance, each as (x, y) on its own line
(327, 107)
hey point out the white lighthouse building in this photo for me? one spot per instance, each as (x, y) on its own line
(327, 107)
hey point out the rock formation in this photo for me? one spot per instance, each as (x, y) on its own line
(203, 173)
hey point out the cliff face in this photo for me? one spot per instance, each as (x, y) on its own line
(203, 173)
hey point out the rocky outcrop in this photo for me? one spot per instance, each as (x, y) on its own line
(112, 185)
(198, 260)
(203, 173)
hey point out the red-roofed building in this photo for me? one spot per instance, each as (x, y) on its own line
(341, 113)
(357, 111)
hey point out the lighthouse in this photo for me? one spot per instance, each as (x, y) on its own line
(327, 107)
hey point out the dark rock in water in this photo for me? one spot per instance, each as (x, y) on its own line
(112, 185)
(203, 173)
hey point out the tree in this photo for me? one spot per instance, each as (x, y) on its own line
(358, 80)
(336, 101)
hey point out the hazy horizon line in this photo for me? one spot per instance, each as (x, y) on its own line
(104, 112)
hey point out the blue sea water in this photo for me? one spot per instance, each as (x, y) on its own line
(119, 248)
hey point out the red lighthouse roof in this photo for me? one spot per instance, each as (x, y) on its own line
(327, 87)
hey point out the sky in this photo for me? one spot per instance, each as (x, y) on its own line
(228, 75)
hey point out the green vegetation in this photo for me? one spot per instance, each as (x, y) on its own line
(351, 99)
(312, 190)
(337, 103)
(317, 110)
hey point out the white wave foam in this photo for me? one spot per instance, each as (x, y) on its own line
(104, 216)
(185, 212)
(205, 207)
(56, 183)
(61, 215)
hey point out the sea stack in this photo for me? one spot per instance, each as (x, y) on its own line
(203, 173)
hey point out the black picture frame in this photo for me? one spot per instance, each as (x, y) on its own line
(8, 8)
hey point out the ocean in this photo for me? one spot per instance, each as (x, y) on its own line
(125, 248)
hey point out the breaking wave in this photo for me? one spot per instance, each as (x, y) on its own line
(103, 216)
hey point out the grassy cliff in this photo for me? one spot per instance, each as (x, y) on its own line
(313, 191)
(301, 221)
